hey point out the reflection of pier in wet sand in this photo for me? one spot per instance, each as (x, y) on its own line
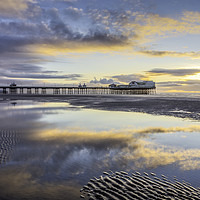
(49, 90)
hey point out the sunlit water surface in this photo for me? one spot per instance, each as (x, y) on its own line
(50, 150)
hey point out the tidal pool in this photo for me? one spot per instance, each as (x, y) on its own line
(49, 150)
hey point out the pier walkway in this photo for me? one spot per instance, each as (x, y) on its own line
(60, 90)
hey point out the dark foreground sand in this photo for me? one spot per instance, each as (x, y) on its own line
(183, 107)
(121, 186)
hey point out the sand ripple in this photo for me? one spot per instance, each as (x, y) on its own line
(121, 186)
(8, 139)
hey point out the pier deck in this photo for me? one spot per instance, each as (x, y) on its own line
(60, 90)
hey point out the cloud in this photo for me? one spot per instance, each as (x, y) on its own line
(192, 164)
(169, 84)
(73, 27)
(173, 72)
(154, 155)
(129, 77)
(119, 79)
(48, 28)
(153, 130)
(56, 32)
(14, 44)
(77, 136)
(73, 13)
(191, 17)
(18, 68)
(153, 25)
(70, 1)
(30, 71)
(43, 75)
(102, 81)
(192, 82)
(179, 83)
(78, 150)
(170, 53)
(91, 29)
(13, 7)
(180, 86)
(131, 146)
(13, 181)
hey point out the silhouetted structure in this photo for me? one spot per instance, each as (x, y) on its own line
(80, 90)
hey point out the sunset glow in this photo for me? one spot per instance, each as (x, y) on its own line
(66, 42)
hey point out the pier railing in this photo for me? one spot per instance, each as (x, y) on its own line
(48, 90)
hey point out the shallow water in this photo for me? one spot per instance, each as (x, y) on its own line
(49, 150)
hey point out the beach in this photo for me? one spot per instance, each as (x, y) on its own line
(183, 106)
(99, 147)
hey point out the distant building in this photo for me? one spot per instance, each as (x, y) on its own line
(134, 84)
(84, 85)
(142, 84)
(13, 84)
(112, 85)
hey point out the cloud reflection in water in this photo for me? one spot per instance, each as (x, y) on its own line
(128, 146)
(52, 162)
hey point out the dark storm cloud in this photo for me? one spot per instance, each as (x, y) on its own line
(173, 72)
(128, 78)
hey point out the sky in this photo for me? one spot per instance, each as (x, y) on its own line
(99, 42)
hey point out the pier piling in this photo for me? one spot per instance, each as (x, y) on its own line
(48, 90)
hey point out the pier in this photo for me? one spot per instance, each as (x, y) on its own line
(60, 90)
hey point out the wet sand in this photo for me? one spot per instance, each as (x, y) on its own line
(182, 107)
(8, 139)
(122, 186)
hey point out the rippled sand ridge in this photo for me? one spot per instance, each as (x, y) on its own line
(122, 186)
(8, 139)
